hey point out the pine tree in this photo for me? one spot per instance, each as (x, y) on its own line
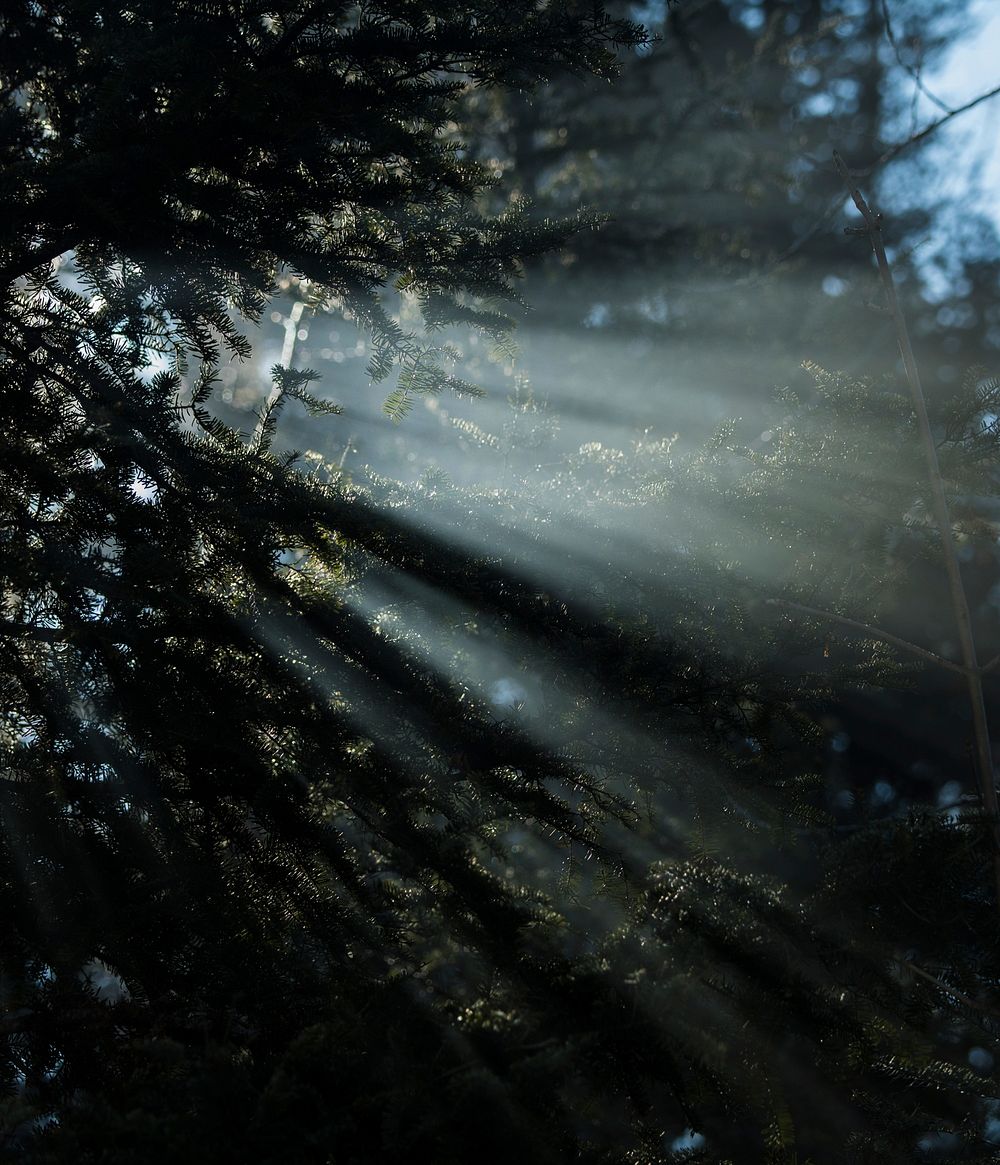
(258, 877)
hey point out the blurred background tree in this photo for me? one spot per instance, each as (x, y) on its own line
(721, 272)
(721, 267)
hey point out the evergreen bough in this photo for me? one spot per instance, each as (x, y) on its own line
(257, 884)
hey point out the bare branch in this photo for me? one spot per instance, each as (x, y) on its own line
(984, 1008)
(942, 519)
(894, 151)
(914, 73)
(874, 632)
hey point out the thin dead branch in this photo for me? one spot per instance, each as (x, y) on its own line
(942, 518)
(869, 629)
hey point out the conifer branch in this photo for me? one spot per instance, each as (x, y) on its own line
(267, 420)
(13, 1023)
(264, 432)
(942, 518)
(25, 263)
(11, 630)
(869, 629)
(983, 1008)
(291, 34)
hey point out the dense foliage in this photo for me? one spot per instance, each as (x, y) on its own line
(282, 878)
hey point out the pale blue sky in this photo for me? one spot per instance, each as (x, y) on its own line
(970, 145)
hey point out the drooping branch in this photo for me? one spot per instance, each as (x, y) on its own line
(869, 629)
(12, 630)
(19, 266)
